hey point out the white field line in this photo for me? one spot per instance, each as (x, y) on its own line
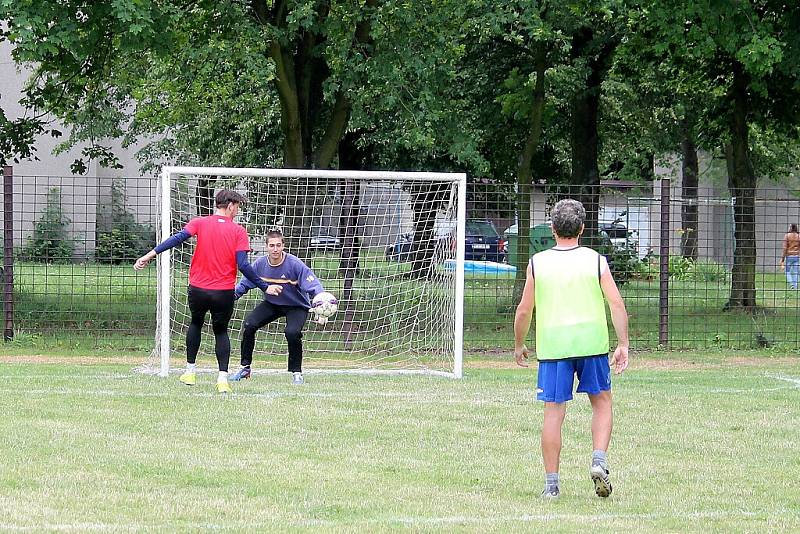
(92, 376)
(198, 391)
(407, 521)
(794, 381)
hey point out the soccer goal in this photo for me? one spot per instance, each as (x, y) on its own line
(388, 245)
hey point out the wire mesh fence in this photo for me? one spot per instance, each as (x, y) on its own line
(696, 270)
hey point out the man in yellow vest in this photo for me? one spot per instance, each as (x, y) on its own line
(568, 285)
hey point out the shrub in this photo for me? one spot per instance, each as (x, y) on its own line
(119, 238)
(50, 242)
(624, 263)
(681, 269)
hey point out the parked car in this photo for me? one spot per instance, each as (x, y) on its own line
(325, 242)
(482, 242)
(400, 250)
(621, 238)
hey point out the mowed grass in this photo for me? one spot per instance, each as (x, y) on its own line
(701, 443)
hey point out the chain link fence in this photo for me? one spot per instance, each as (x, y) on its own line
(695, 271)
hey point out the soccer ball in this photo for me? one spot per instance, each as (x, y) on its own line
(324, 305)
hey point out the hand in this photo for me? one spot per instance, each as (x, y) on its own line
(142, 262)
(521, 355)
(317, 318)
(274, 290)
(619, 361)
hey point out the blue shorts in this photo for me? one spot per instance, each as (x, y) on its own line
(556, 378)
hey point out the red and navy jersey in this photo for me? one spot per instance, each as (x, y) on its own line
(214, 260)
(298, 281)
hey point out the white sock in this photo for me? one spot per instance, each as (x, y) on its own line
(190, 367)
(223, 377)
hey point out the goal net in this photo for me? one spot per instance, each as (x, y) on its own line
(388, 245)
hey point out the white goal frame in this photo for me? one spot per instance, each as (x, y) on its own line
(164, 260)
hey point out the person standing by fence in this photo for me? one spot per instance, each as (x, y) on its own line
(790, 257)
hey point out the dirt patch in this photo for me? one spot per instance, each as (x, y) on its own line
(505, 360)
(499, 359)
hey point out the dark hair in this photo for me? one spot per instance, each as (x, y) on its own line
(226, 196)
(793, 228)
(271, 234)
(568, 216)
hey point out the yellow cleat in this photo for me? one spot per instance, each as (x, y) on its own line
(224, 387)
(189, 379)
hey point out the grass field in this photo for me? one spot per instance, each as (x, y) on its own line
(702, 443)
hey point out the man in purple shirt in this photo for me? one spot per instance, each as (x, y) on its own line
(290, 284)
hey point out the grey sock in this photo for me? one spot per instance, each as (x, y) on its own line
(551, 480)
(600, 458)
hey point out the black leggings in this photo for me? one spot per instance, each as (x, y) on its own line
(220, 303)
(264, 314)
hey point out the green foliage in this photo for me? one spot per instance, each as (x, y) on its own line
(624, 263)
(681, 269)
(17, 137)
(120, 238)
(51, 241)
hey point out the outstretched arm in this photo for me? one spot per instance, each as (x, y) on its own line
(251, 278)
(619, 318)
(170, 242)
(522, 319)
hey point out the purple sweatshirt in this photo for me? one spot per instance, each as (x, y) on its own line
(298, 281)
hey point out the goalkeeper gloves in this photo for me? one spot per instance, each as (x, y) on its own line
(318, 318)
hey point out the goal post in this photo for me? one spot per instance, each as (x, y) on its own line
(389, 245)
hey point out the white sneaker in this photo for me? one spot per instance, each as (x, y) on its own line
(602, 484)
(297, 379)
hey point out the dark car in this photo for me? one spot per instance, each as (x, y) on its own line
(400, 250)
(481, 242)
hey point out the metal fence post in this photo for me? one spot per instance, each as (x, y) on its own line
(663, 286)
(8, 252)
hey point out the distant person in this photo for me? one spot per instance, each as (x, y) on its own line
(291, 286)
(790, 257)
(222, 246)
(567, 285)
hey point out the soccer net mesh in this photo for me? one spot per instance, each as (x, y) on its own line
(386, 244)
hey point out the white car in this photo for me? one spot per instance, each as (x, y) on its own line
(621, 238)
(325, 242)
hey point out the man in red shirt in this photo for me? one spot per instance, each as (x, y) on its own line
(222, 247)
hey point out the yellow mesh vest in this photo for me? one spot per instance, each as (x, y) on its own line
(570, 308)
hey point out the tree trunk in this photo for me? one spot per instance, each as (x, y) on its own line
(425, 201)
(742, 184)
(204, 197)
(689, 182)
(585, 175)
(350, 157)
(525, 175)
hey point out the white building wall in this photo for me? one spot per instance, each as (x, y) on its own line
(83, 197)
